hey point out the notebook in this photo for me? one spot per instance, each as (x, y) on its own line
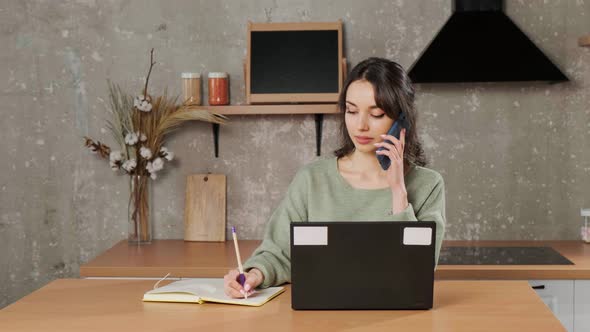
(203, 290)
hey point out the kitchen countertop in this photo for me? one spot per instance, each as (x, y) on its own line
(214, 259)
(576, 251)
(115, 305)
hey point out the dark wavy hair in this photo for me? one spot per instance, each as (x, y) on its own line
(394, 93)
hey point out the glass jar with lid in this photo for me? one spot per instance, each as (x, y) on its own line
(191, 88)
(218, 88)
(585, 229)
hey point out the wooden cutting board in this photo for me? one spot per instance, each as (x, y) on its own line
(204, 209)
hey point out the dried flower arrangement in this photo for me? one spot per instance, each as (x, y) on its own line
(139, 125)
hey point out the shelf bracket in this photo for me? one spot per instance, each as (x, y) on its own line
(319, 121)
(216, 139)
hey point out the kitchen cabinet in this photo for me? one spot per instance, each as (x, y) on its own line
(569, 300)
(558, 295)
(582, 305)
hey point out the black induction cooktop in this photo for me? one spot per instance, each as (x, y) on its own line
(501, 256)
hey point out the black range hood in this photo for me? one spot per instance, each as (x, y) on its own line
(479, 43)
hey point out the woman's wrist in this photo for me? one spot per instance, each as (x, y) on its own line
(258, 274)
(399, 190)
(400, 199)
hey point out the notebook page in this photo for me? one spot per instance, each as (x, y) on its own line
(212, 290)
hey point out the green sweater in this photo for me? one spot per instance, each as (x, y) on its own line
(320, 193)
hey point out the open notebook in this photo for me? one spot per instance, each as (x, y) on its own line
(207, 290)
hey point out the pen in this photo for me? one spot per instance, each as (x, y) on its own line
(241, 277)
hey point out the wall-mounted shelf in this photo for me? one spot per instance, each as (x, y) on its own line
(584, 41)
(317, 109)
(273, 109)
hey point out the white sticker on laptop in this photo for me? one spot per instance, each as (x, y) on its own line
(417, 236)
(310, 236)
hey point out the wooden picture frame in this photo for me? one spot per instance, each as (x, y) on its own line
(261, 98)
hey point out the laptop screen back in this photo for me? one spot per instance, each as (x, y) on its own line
(362, 265)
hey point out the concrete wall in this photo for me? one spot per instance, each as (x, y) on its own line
(514, 156)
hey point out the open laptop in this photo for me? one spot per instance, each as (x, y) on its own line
(362, 265)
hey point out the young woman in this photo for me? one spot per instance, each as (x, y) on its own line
(353, 186)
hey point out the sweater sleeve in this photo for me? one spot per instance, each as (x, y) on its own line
(273, 257)
(432, 209)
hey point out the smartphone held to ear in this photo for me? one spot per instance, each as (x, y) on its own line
(394, 131)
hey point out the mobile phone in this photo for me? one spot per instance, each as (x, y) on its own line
(394, 131)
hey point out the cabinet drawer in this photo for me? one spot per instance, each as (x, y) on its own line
(558, 295)
(582, 306)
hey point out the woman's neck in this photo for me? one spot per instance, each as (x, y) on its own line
(367, 163)
(363, 162)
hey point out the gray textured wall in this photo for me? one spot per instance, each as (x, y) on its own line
(513, 156)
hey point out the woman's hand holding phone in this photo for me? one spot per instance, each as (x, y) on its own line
(395, 173)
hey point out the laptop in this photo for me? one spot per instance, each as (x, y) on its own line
(362, 265)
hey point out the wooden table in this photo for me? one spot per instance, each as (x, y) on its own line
(214, 259)
(115, 305)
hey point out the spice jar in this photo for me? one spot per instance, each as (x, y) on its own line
(585, 229)
(218, 88)
(191, 88)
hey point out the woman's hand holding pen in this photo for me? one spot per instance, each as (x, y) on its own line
(232, 287)
(395, 172)
(238, 283)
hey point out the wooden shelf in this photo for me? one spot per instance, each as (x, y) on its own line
(584, 41)
(274, 109)
(317, 109)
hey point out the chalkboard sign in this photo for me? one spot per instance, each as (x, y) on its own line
(294, 62)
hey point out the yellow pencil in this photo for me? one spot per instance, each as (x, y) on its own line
(241, 277)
